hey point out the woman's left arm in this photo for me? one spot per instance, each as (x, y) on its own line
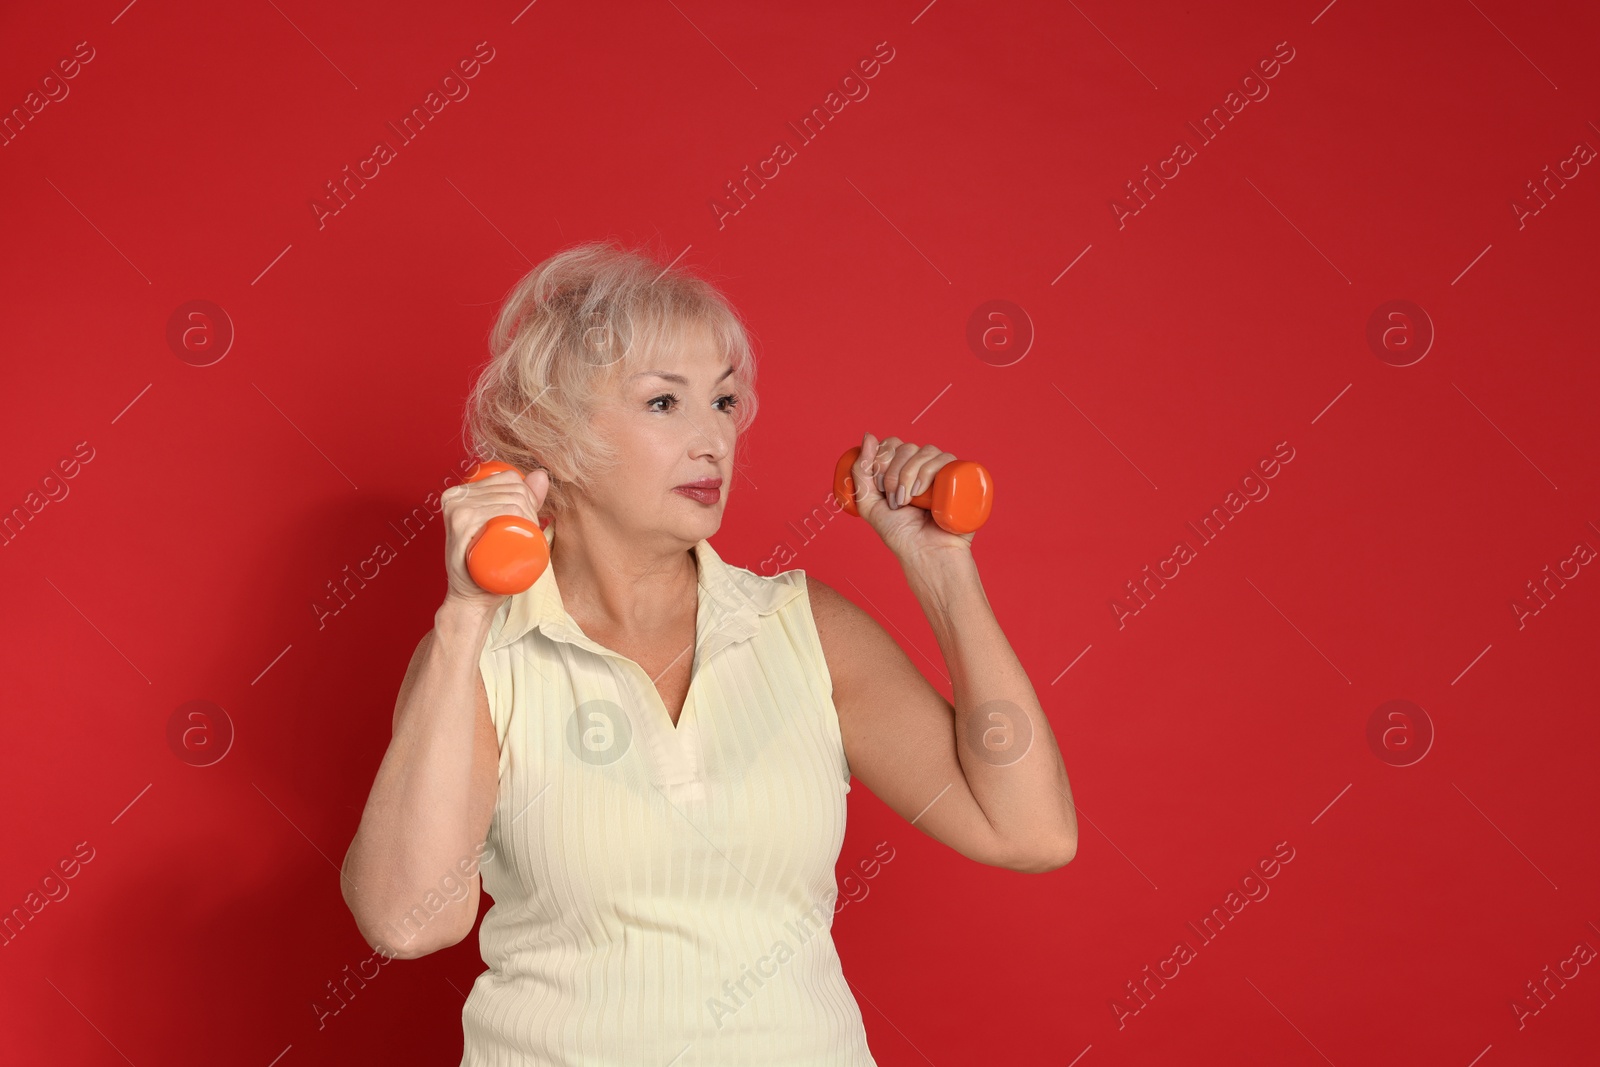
(994, 749)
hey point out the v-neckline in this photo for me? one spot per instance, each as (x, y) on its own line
(694, 649)
(683, 709)
(725, 614)
(677, 729)
(650, 684)
(671, 749)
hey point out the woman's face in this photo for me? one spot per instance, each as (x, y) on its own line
(671, 419)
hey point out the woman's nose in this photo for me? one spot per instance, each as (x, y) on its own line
(712, 441)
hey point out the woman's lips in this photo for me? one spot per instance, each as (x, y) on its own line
(704, 496)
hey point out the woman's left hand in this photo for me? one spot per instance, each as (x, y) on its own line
(887, 467)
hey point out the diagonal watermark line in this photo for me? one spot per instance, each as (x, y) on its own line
(132, 402)
(674, 263)
(701, 832)
(1069, 666)
(274, 263)
(1286, 1019)
(1502, 833)
(131, 803)
(1069, 266)
(931, 803)
(1332, 402)
(101, 232)
(516, 646)
(1502, 433)
(534, 401)
(99, 631)
(668, 667)
(899, 231)
(713, 44)
(1079, 810)
(491, 223)
(88, 1020)
(932, 402)
(1301, 232)
(531, 803)
(1301, 632)
(313, 44)
(888, 1020)
(1331, 803)
(897, 629)
(274, 663)
(1513, 44)
(1113, 44)
(302, 833)
(302, 433)
(1469, 666)
(1102, 433)
(1469, 266)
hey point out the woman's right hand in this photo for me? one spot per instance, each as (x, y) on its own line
(467, 508)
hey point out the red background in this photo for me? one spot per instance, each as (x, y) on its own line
(1228, 315)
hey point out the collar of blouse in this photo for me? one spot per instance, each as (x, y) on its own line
(732, 601)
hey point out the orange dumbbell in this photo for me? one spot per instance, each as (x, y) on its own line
(961, 496)
(510, 552)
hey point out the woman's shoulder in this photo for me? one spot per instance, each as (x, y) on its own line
(769, 592)
(782, 587)
(796, 590)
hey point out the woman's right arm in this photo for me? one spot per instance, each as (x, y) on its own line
(431, 803)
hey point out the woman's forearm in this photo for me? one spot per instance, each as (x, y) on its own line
(1007, 750)
(416, 824)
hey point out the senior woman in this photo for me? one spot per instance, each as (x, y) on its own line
(649, 749)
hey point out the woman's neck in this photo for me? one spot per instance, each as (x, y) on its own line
(619, 583)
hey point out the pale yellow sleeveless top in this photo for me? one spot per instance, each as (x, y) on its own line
(664, 895)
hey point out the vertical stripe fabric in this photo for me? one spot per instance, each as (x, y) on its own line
(664, 895)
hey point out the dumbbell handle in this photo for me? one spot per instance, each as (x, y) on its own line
(509, 553)
(960, 498)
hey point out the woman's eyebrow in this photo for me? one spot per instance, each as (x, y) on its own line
(680, 379)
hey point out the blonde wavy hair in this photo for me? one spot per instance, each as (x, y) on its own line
(568, 332)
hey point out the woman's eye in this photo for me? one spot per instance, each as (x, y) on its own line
(665, 398)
